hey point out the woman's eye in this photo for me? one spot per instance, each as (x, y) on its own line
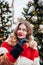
(24, 30)
(19, 29)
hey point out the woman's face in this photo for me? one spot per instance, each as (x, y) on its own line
(22, 31)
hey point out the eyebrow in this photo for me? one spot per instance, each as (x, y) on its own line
(23, 28)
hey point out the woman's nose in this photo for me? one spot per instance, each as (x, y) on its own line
(20, 32)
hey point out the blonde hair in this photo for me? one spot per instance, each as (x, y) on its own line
(28, 26)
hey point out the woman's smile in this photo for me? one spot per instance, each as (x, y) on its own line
(20, 34)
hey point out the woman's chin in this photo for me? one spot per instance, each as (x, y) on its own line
(20, 37)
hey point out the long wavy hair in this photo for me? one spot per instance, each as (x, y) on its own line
(15, 40)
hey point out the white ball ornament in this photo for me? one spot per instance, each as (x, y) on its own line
(34, 18)
(41, 28)
(30, 1)
(31, 9)
(40, 2)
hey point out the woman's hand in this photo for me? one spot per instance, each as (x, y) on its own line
(33, 44)
(22, 41)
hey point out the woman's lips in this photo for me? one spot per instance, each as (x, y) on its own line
(20, 34)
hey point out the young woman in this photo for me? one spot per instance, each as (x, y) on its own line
(21, 50)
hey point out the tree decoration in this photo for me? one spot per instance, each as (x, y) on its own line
(34, 14)
(31, 9)
(5, 17)
(40, 2)
(34, 18)
(41, 29)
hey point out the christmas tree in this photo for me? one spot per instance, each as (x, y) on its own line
(5, 19)
(34, 14)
